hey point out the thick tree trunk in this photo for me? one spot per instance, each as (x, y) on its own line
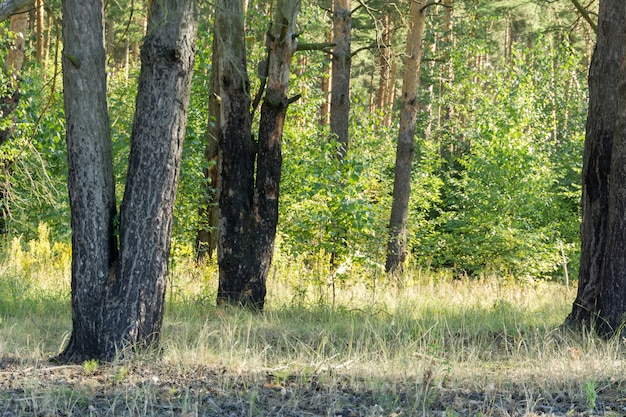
(249, 211)
(206, 239)
(396, 248)
(118, 301)
(604, 75)
(236, 152)
(91, 183)
(340, 79)
(612, 300)
(135, 311)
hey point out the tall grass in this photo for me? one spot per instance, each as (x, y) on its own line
(405, 346)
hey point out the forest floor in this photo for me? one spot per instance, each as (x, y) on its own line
(444, 348)
(158, 389)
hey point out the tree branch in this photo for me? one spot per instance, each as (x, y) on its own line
(585, 15)
(321, 46)
(435, 3)
(10, 7)
(368, 47)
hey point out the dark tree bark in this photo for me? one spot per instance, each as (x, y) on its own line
(340, 78)
(167, 58)
(236, 153)
(91, 183)
(396, 248)
(612, 298)
(117, 301)
(604, 76)
(249, 209)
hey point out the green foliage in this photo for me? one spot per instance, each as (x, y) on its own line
(511, 184)
(496, 176)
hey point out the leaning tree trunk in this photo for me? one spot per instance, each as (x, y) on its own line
(340, 78)
(117, 301)
(396, 248)
(604, 75)
(135, 312)
(91, 183)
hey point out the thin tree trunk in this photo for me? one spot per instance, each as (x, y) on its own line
(13, 69)
(39, 31)
(385, 65)
(340, 82)
(325, 87)
(206, 239)
(396, 248)
(9, 102)
(604, 75)
(390, 96)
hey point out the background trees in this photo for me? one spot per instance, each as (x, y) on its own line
(499, 136)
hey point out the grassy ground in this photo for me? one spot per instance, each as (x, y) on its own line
(437, 347)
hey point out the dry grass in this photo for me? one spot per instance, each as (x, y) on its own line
(437, 346)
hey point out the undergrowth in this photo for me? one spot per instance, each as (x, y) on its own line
(428, 342)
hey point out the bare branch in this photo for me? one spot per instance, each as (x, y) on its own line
(435, 3)
(585, 15)
(321, 46)
(10, 7)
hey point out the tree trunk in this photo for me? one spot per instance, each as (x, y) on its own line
(135, 312)
(325, 87)
(117, 301)
(340, 79)
(206, 239)
(236, 152)
(248, 211)
(39, 31)
(91, 183)
(604, 75)
(283, 43)
(396, 248)
(9, 99)
(612, 298)
(385, 65)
